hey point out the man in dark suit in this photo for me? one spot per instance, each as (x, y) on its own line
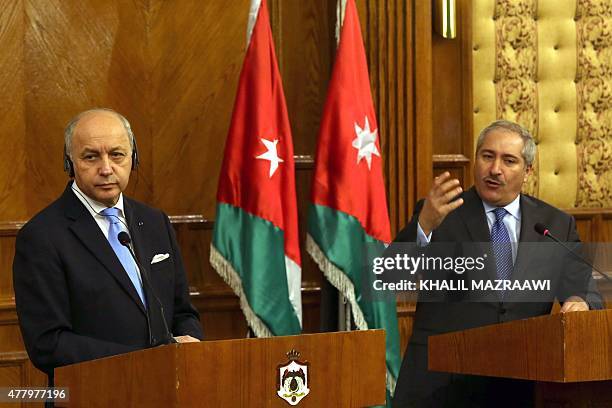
(79, 293)
(495, 212)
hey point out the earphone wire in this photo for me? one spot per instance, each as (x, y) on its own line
(100, 213)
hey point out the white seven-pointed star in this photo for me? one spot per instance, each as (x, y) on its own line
(365, 143)
(271, 155)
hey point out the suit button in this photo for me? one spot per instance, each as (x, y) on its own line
(154, 340)
(502, 310)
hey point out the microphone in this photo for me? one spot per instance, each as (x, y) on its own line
(125, 240)
(542, 230)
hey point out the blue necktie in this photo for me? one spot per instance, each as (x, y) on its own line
(112, 215)
(500, 243)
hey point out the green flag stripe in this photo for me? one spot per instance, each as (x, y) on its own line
(341, 239)
(248, 252)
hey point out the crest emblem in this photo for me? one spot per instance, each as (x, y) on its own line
(292, 379)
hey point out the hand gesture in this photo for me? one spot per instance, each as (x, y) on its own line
(438, 203)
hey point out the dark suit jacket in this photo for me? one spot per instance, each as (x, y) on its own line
(75, 301)
(416, 385)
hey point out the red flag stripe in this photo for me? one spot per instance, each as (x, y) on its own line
(260, 113)
(343, 180)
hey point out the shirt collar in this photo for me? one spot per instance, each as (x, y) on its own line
(514, 208)
(93, 206)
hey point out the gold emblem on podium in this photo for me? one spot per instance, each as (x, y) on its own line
(292, 379)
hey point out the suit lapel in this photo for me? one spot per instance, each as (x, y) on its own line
(88, 232)
(141, 242)
(475, 219)
(472, 214)
(136, 233)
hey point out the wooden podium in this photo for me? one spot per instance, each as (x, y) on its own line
(345, 369)
(569, 355)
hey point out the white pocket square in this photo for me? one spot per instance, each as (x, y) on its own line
(159, 257)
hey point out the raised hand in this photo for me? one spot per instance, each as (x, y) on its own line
(438, 203)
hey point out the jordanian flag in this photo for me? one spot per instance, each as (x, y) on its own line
(349, 205)
(255, 241)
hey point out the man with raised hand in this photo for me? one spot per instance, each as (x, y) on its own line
(493, 211)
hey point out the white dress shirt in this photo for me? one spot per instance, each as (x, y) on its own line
(95, 208)
(512, 221)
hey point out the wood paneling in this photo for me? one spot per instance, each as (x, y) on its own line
(606, 230)
(398, 46)
(77, 55)
(7, 249)
(12, 112)
(405, 317)
(570, 347)
(452, 99)
(196, 50)
(304, 36)
(457, 165)
(10, 334)
(15, 367)
(172, 69)
(594, 227)
(240, 373)
(388, 34)
(447, 94)
(17, 371)
(10, 375)
(424, 100)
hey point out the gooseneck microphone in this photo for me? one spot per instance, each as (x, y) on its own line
(542, 230)
(125, 240)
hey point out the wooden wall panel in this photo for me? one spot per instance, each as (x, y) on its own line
(172, 69)
(452, 99)
(584, 226)
(10, 336)
(7, 249)
(12, 112)
(10, 376)
(309, 28)
(304, 37)
(593, 225)
(423, 100)
(196, 50)
(405, 321)
(447, 94)
(388, 32)
(17, 371)
(128, 87)
(399, 49)
(457, 165)
(77, 56)
(606, 231)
